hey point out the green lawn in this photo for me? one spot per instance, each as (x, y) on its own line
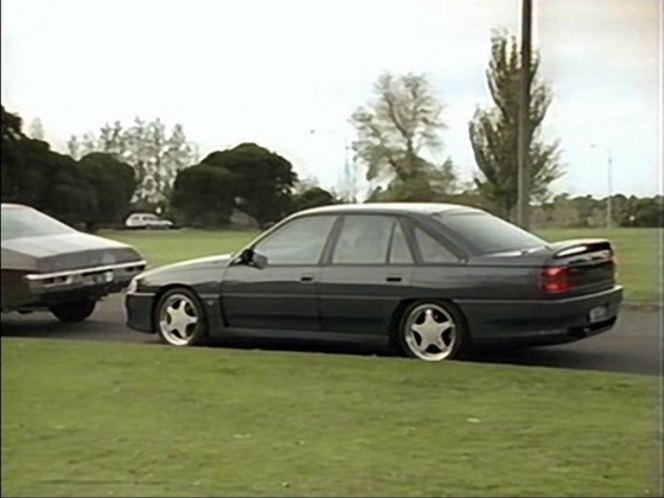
(637, 250)
(163, 247)
(128, 420)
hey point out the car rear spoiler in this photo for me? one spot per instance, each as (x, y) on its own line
(567, 248)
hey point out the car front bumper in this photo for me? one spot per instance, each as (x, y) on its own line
(138, 310)
(542, 322)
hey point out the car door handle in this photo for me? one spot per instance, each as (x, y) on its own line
(393, 278)
(307, 278)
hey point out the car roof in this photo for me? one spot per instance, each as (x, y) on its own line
(391, 207)
(14, 206)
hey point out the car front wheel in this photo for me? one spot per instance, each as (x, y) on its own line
(180, 318)
(432, 331)
(75, 311)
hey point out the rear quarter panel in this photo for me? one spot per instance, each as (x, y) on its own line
(467, 281)
(484, 294)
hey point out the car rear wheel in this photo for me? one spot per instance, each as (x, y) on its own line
(180, 318)
(432, 331)
(75, 311)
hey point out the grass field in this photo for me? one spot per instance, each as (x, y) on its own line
(637, 250)
(128, 420)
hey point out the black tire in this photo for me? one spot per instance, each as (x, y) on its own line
(73, 312)
(184, 304)
(455, 339)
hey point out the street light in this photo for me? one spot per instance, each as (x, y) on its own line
(609, 174)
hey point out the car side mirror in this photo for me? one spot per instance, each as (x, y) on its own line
(252, 258)
(259, 260)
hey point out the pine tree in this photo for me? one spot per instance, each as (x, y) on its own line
(494, 136)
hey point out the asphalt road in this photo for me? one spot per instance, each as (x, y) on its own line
(633, 346)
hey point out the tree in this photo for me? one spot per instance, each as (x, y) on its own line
(202, 196)
(262, 181)
(566, 213)
(112, 140)
(648, 212)
(11, 134)
(248, 178)
(113, 183)
(74, 147)
(36, 129)
(155, 154)
(313, 197)
(68, 195)
(397, 130)
(35, 175)
(178, 155)
(493, 131)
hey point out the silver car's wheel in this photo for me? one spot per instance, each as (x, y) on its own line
(431, 332)
(75, 311)
(180, 318)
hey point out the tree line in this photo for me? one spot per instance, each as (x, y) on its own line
(400, 137)
(399, 145)
(142, 168)
(587, 212)
(95, 188)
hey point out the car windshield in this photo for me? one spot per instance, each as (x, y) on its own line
(26, 222)
(489, 234)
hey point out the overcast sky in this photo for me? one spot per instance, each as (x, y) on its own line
(270, 71)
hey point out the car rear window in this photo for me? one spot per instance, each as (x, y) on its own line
(26, 222)
(488, 234)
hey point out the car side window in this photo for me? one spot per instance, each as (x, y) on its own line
(363, 239)
(399, 250)
(299, 242)
(431, 250)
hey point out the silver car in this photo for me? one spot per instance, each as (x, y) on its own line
(48, 265)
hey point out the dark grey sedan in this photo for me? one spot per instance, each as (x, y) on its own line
(432, 279)
(49, 265)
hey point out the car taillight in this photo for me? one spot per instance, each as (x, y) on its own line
(555, 280)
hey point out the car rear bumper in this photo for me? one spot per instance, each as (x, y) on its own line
(541, 322)
(44, 289)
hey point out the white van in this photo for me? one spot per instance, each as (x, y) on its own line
(147, 220)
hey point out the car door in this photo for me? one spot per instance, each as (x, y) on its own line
(366, 274)
(282, 295)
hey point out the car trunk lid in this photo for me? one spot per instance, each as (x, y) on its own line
(71, 251)
(584, 265)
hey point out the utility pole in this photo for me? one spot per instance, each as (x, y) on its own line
(349, 172)
(609, 211)
(609, 182)
(348, 178)
(523, 213)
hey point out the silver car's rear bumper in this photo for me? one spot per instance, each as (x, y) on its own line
(112, 276)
